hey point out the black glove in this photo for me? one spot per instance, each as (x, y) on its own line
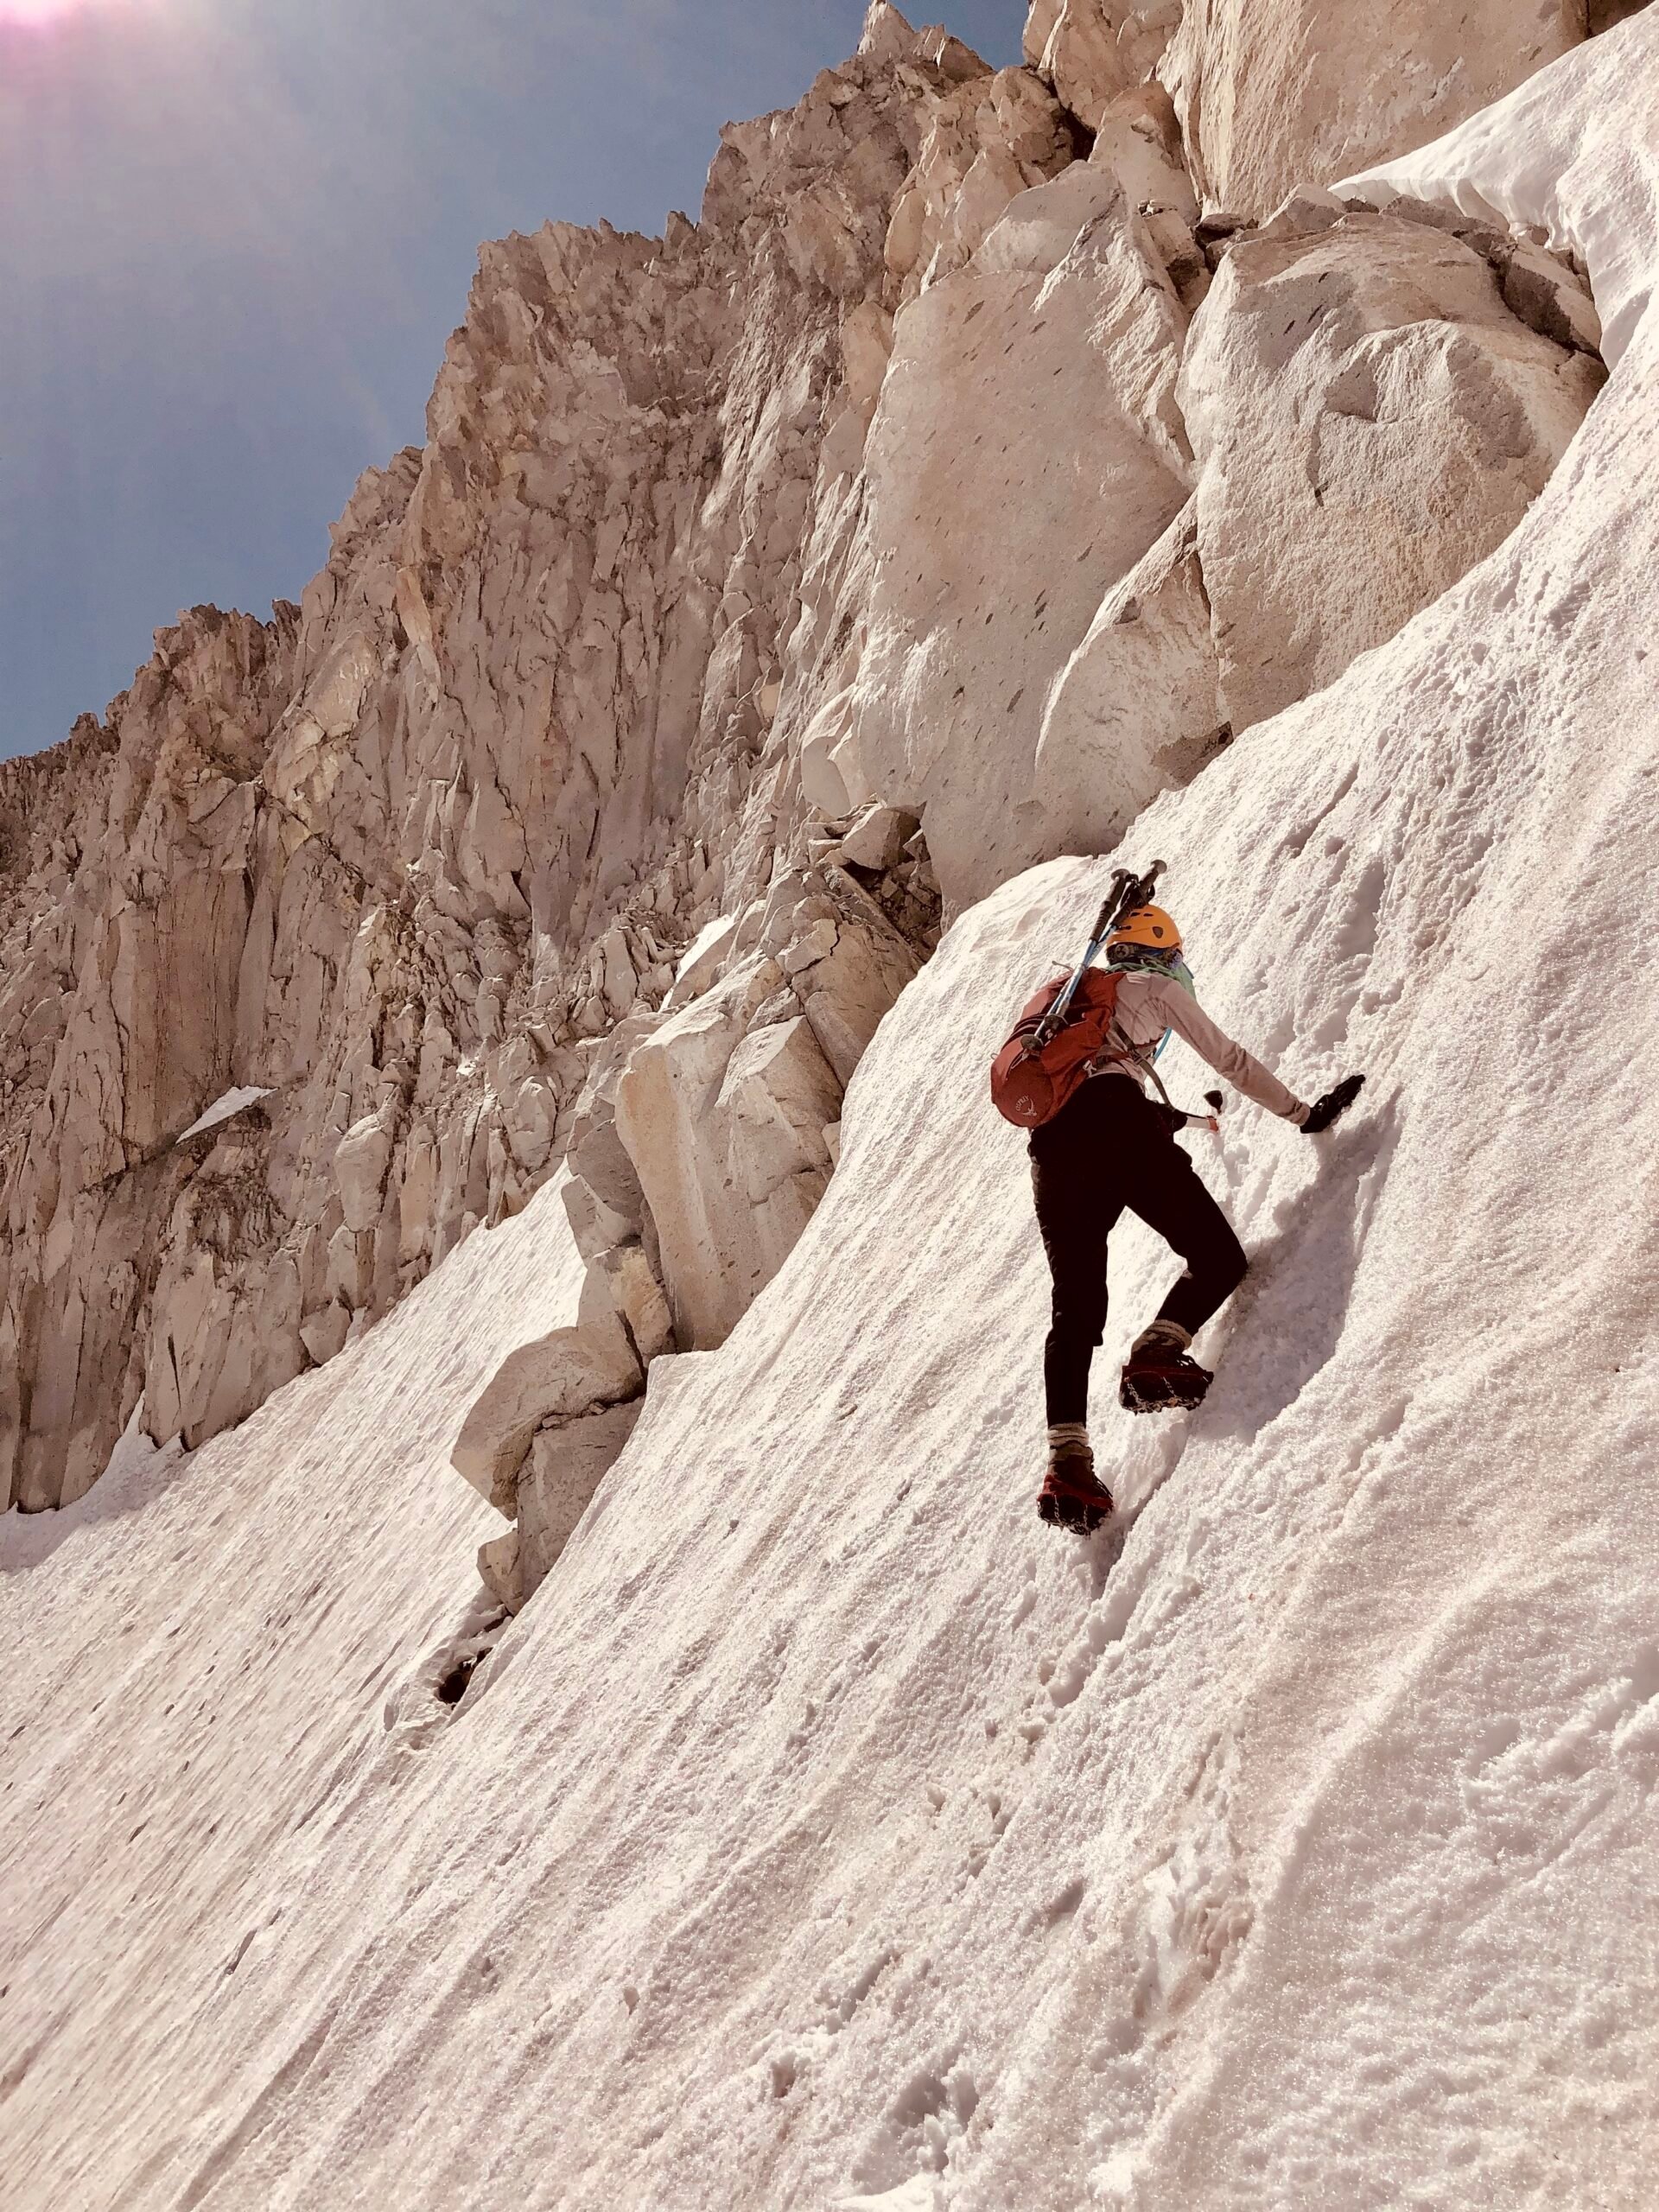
(1334, 1105)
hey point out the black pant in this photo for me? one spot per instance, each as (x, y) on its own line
(1111, 1148)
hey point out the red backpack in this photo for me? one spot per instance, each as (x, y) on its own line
(1030, 1082)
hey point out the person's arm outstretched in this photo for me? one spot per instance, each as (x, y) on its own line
(1179, 1011)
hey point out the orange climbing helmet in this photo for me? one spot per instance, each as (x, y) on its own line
(1148, 926)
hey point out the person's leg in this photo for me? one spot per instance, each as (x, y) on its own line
(1076, 1216)
(1169, 1196)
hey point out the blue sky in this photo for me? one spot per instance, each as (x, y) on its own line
(234, 235)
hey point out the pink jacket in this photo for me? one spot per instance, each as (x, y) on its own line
(1147, 1005)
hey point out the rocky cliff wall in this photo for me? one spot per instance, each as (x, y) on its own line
(964, 477)
(400, 861)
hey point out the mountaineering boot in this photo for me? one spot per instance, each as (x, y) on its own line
(1072, 1497)
(1158, 1376)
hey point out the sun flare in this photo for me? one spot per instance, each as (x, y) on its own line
(38, 14)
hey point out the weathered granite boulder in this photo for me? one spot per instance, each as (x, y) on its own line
(723, 1108)
(558, 1377)
(1543, 289)
(689, 1137)
(873, 841)
(626, 1278)
(1369, 419)
(566, 1465)
(1137, 709)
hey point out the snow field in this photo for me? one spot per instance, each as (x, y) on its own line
(828, 1831)
(215, 1659)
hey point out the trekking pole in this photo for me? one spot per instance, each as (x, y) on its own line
(1128, 892)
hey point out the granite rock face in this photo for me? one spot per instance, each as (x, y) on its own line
(965, 476)
(1092, 50)
(1026, 450)
(1369, 419)
(404, 857)
(1272, 93)
(1137, 709)
(127, 912)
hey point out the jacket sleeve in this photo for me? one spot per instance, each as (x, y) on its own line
(1182, 1013)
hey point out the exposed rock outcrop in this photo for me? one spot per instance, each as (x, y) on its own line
(566, 1464)
(1092, 50)
(700, 1149)
(1272, 93)
(560, 1378)
(978, 574)
(724, 1110)
(1369, 419)
(129, 911)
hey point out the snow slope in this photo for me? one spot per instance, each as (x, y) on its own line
(828, 1830)
(211, 1660)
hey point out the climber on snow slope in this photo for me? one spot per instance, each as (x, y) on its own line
(1112, 1148)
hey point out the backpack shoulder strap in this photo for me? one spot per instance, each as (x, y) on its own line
(1119, 1046)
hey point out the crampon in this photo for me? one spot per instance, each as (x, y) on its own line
(1072, 1496)
(1162, 1380)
